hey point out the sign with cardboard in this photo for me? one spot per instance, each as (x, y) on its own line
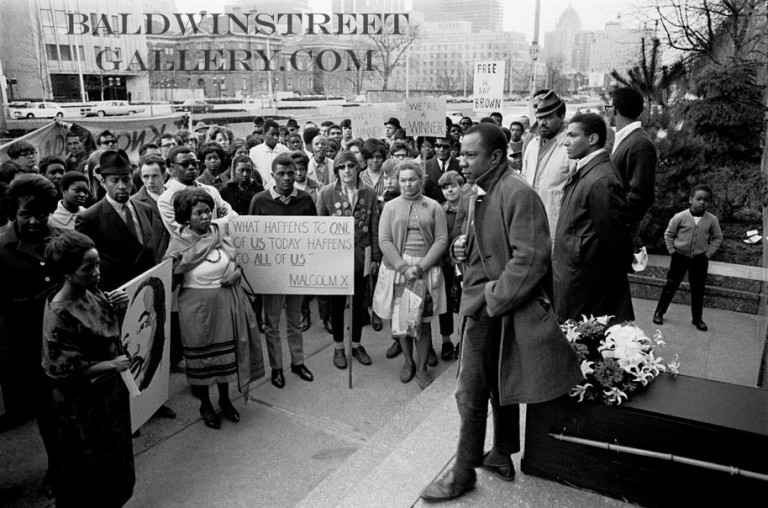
(489, 86)
(425, 116)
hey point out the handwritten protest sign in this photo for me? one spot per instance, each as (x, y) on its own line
(296, 255)
(489, 86)
(425, 116)
(130, 134)
(368, 123)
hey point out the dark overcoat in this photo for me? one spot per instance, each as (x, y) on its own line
(122, 256)
(509, 227)
(593, 248)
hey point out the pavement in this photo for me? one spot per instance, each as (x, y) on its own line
(378, 444)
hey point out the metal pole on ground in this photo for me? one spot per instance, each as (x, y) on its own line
(348, 334)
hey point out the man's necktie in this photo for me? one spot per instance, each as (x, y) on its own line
(130, 222)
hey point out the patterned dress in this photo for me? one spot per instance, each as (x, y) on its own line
(91, 417)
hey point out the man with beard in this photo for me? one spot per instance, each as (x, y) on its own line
(185, 170)
(546, 166)
(127, 234)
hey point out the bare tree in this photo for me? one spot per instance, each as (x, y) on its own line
(390, 49)
(715, 30)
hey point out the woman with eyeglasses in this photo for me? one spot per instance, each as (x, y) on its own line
(350, 197)
(24, 154)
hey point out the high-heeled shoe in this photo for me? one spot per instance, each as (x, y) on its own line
(210, 418)
(229, 411)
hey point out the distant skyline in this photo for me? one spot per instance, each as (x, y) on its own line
(518, 14)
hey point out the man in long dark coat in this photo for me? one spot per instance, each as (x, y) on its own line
(593, 249)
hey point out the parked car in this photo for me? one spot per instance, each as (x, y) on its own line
(360, 99)
(193, 106)
(455, 116)
(32, 110)
(110, 108)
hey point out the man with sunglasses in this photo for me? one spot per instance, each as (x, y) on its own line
(437, 166)
(185, 168)
(107, 141)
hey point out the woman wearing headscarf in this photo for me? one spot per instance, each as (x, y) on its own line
(219, 331)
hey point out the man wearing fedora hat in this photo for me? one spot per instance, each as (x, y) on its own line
(127, 233)
(546, 166)
(392, 125)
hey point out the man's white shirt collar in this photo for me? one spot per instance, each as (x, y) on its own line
(624, 132)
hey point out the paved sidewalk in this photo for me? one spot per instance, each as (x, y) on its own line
(321, 444)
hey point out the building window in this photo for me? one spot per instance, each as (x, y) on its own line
(51, 53)
(66, 53)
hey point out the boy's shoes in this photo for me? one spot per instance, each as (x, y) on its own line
(361, 355)
(339, 358)
(700, 325)
(658, 318)
(431, 357)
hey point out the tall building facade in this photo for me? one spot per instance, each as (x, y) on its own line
(42, 61)
(484, 15)
(561, 42)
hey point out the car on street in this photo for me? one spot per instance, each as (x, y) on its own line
(193, 106)
(455, 116)
(31, 110)
(110, 108)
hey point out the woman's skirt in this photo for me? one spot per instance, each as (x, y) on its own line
(220, 337)
(384, 294)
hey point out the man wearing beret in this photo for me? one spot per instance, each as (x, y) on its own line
(127, 233)
(545, 163)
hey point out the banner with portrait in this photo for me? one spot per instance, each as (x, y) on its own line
(146, 336)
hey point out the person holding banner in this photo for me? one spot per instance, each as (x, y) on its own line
(83, 358)
(350, 197)
(413, 236)
(218, 326)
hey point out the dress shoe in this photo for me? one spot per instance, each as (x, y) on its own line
(431, 357)
(165, 412)
(407, 372)
(229, 411)
(305, 323)
(504, 471)
(376, 322)
(278, 379)
(425, 379)
(303, 372)
(339, 358)
(327, 326)
(445, 488)
(700, 325)
(210, 418)
(361, 355)
(447, 352)
(394, 349)
(658, 318)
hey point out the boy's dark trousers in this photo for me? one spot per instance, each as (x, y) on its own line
(697, 274)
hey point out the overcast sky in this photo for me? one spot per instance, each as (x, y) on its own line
(518, 14)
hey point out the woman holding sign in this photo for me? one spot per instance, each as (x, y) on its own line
(218, 326)
(410, 291)
(83, 356)
(348, 196)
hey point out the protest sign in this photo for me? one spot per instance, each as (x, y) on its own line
(489, 86)
(368, 122)
(145, 335)
(130, 134)
(425, 116)
(296, 255)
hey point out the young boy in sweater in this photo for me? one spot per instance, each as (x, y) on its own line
(692, 238)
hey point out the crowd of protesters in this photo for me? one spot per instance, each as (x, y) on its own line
(76, 227)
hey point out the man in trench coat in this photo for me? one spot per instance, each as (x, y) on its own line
(513, 350)
(593, 247)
